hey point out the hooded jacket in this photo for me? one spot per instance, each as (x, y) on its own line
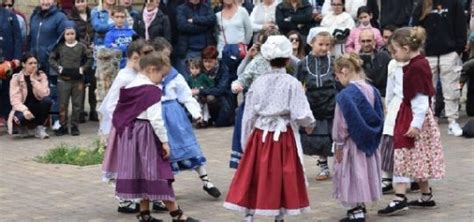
(198, 34)
(46, 27)
(445, 27)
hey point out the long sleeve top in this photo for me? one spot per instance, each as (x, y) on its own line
(153, 113)
(238, 29)
(274, 101)
(254, 69)
(178, 89)
(262, 14)
(341, 21)
(124, 77)
(351, 7)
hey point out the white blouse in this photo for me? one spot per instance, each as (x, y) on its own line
(351, 7)
(179, 89)
(262, 14)
(153, 113)
(238, 29)
(341, 21)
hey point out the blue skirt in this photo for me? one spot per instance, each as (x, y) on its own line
(186, 153)
(236, 153)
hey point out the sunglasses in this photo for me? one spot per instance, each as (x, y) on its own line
(7, 5)
(294, 40)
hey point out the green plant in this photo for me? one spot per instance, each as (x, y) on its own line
(74, 155)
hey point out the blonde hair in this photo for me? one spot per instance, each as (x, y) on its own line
(426, 9)
(414, 37)
(351, 61)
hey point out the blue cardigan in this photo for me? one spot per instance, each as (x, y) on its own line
(364, 122)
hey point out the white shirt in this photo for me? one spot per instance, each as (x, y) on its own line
(153, 113)
(179, 89)
(124, 77)
(262, 14)
(351, 7)
(341, 21)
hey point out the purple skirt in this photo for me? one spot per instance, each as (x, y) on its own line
(141, 171)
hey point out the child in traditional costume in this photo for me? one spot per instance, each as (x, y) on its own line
(143, 168)
(357, 130)
(186, 153)
(418, 152)
(315, 71)
(270, 179)
(125, 76)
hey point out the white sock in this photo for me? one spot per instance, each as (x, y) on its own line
(203, 175)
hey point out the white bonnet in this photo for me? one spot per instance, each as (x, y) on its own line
(315, 31)
(276, 46)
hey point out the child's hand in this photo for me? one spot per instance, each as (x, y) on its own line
(412, 132)
(237, 88)
(166, 150)
(338, 155)
(309, 130)
(195, 91)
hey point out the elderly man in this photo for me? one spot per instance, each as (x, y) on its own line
(375, 63)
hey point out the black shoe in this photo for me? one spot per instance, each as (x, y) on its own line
(82, 117)
(423, 204)
(159, 206)
(61, 131)
(178, 214)
(387, 187)
(414, 187)
(213, 191)
(355, 215)
(146, 217)
(93, 116)
(128, 207)
(396, 207)
(75, 131)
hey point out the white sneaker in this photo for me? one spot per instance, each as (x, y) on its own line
(56, 125)
(40, 132)
(454, 129)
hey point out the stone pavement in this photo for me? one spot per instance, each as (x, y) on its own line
(31, 191)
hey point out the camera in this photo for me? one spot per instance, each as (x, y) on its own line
(341, 35)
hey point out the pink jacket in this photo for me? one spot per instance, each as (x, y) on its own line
(353, 44)
(18, 92)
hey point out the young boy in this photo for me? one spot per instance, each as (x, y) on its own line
(121, 35)
(199, 80)
(70, 58)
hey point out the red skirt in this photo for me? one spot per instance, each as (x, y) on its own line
(270, 178)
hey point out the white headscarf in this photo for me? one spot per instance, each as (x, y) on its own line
(277, 46)
(315, 31)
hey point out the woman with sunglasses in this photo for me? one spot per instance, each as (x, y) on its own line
(297, 44)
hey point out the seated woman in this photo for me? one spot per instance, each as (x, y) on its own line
(29, 93)
(220, 100)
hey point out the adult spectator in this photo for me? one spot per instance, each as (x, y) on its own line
(47, 24)
(363, 16)
(234, 28)
(220, 99)
(387, 33)
(134, 15)
(297, 42)
(444, 21)
(294, 15)
(81, 16)
(153, 23)
(10, 4)
(29, 93)
(339, 24)
(170, 7)
(102, 21)
(350, 6)
(10, 50)
(196, 26)
(263, 16)
(392, 12)
(375, 62)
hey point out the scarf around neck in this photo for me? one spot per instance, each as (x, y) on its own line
(148, 17)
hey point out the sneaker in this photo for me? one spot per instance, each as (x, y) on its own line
(75, 131)
(56, 125)
(454, 129)
(61, 131)
(40, 132)
(323, 175)
(128, 207)
(159, 206)
(414, 187)
(213, 191)
(396, 207)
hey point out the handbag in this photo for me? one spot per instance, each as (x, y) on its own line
(232, 54)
